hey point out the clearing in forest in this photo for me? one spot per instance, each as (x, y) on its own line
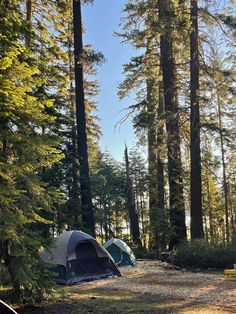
(147, 288)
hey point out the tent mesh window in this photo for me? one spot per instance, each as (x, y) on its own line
(87, 261)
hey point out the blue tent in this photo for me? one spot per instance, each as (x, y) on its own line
(120, 251)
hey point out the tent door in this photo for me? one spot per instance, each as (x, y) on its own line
(87, 261)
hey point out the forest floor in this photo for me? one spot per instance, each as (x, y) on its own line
(147, 288)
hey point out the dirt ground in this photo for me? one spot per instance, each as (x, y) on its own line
(147, 288)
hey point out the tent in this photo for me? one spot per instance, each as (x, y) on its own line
(78, 257)
(120, 251)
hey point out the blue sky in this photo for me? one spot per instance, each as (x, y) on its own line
(101, 20)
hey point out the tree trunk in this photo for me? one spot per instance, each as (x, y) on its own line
(206, 230)
(152, 102)
(152, 168)
(177, 211)
(224, 170)
(134, 222)
(160, 175)
(9, 263)
(232, 220)
(195, 152)
(29, 22)
(106, 223)
(85, 188)
(211, 228)
(74, 193)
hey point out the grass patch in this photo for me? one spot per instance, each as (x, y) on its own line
(119, 301)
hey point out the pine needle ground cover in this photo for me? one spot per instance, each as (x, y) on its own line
(147, 288)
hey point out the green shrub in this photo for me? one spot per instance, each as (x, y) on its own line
(201, 254)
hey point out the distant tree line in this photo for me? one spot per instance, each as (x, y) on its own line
(184, 79)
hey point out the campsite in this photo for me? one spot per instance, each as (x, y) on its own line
(149, 287)
(90, 282)
(118, 156)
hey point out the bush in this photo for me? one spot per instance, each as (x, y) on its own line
(4, 276)
(27, 278)
(201, 254)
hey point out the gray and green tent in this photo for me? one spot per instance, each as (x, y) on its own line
(120, 251)
(78, 257)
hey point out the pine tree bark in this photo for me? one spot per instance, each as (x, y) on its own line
(152, 168)
(195, 151)
(160, 174)
(232, 220)
(211, 228)
(224, 170)
(29, 13)
(177, 211)
(152, 103)
(133, 216)
(85, 188)
(74, 191)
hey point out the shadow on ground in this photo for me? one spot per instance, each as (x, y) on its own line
(82, 300)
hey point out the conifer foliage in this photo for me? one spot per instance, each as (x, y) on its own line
(25, 151)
